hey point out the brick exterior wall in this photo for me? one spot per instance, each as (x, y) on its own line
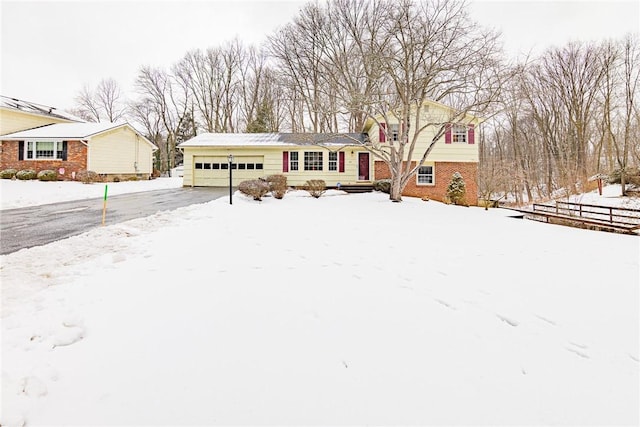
(76, 159)
(443, 173)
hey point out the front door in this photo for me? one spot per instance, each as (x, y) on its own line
(363, 166)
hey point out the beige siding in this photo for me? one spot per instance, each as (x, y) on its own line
(454, 152)
(271, 158)
(120, 151)
(14, 121)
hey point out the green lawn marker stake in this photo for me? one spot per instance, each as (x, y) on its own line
(104, 205)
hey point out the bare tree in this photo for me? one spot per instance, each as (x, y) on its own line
(103, 103)
(299, 49)
(630, 115)
(411, 53)
(167, 99)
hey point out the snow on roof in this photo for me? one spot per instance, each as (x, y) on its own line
(35, 108)
(273, 139)
(63, 131)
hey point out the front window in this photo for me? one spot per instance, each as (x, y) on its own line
(459, 133)
(425, 175)
(293, 160)
(333, 161)
(46, 150)
(313, 160)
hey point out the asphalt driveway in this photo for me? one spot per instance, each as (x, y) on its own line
(38, 225)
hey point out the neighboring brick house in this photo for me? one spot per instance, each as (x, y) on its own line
(109, 149)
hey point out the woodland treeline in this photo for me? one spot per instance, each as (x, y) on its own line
(552, 121)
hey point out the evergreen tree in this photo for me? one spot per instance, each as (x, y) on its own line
(263, 121)
(456, 190)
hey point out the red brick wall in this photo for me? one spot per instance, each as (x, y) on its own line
(76, 159)
(443, 173)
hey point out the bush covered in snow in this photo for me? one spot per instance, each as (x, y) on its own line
(457, 190)
(26, 174)
(255, 188)
(88, 177)
(316, 187)
(8, 173)
(47, 175)
(277, 185)
(383, 185)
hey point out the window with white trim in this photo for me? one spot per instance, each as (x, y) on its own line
(45, 150)
(333, 161)
(293, 160)
(425, 175)
(313, 160)
(459, 133)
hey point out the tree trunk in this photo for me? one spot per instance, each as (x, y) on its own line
(395, 192)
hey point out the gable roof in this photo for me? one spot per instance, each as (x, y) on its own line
(23, 106)
(273, 139)
(70, 131)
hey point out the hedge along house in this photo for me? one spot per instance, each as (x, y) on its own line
(109, 149)
(455, 151)
(335, 158)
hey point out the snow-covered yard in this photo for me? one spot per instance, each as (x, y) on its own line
(20, 194)
(346, 309)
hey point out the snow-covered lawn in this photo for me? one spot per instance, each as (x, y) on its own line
(20, 194)
(346, 309)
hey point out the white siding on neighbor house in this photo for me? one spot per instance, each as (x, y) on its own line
(120, 151)
(271, 158)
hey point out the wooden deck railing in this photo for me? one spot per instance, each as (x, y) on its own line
(607, 218)
(610, 214)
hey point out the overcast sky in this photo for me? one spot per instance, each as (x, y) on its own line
(51, 49)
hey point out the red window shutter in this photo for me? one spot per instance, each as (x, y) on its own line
(471, 134)
(382, 133)
(341, 161)
(285, 161)
(447, 133)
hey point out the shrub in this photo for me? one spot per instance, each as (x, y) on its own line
(8, 173)
(116, 179)
(131, 178)
(87, 177)
(277, 185)
(255, 188)
(26, 174)
(316, 187)
(383, 185)
(456, 190)
(47, 175)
